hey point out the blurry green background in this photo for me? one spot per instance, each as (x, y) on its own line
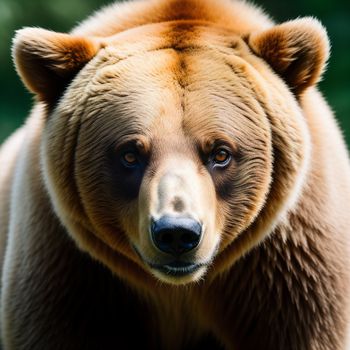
(61, 15)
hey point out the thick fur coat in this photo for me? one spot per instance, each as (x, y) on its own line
(197, 109)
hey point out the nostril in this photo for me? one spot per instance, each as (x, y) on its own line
(165, 237)
(176, 235)
(188, 238)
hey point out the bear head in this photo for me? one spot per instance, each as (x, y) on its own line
(172, 149)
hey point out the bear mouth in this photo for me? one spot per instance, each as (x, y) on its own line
(177, 268)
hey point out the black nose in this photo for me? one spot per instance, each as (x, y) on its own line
(176, 235)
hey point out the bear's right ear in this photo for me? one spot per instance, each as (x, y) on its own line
(46, 61)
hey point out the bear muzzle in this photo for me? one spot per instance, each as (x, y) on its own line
(177, 236)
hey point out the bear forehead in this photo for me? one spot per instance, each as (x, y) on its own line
(170, 59)
(166, 90)
(177, 35)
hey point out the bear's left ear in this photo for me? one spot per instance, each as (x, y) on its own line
(46, 61)
(297, 50)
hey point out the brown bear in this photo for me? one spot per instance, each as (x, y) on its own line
(180, 184)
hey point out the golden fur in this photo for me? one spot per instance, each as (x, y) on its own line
(176, 79)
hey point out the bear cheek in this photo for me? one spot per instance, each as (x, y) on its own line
(241, 190)
(108, 193)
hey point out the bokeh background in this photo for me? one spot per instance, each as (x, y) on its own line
(62, 15)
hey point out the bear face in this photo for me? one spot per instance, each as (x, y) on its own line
(172, 124)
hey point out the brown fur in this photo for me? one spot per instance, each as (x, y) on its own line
(175, 79)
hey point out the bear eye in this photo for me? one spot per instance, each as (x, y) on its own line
(129, 159)
(221, 157)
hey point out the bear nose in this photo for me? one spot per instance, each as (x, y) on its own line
(176, 235)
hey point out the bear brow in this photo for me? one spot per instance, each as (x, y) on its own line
(140, 141)
(123, 56)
